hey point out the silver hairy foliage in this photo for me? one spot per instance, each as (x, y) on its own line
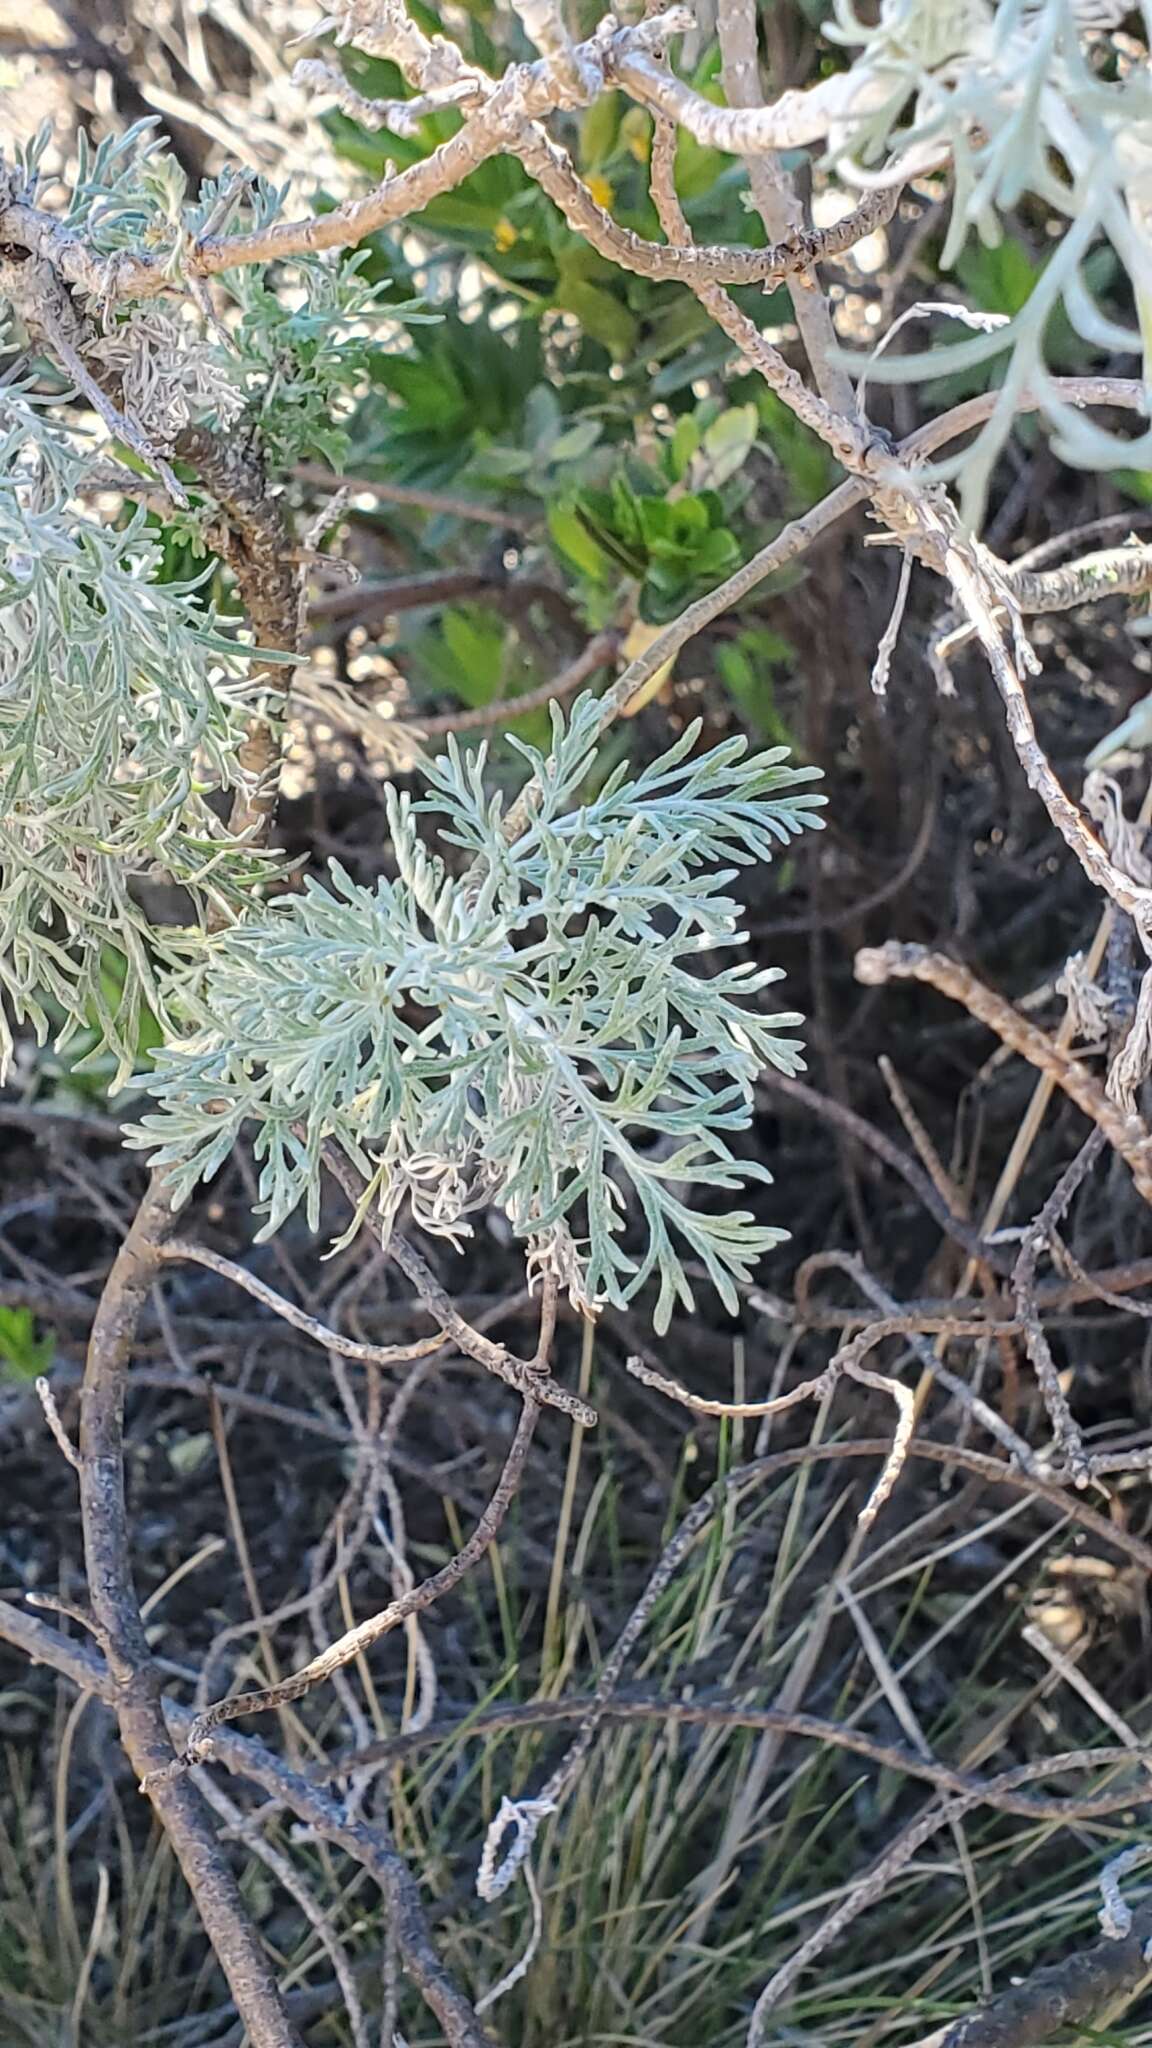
(542, 1034)
(1025, 98)
(122, 706)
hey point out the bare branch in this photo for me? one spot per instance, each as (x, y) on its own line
(1127, 1133)
(1069, 1995)
(356, 1640)
(446, 504)
(367, 1843)
(1024, 1280)
(599, 652)
(1113, 572)
(794, 121)
(531, 1380)
(778, 207)
(245, 1828)
(178, 1804)
(791, 256)
(735, 1713)
(63, 1441)
(332, 1340)
(562, 1778)
(258, 550)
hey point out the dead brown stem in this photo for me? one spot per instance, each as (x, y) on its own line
(444, 504)
(531, 1380)
(356, 1640)
(368, 1843)
(332, 1340)
(779, 209)
(1128, 1134)
(790, 255)
(1060, 1415)
(599, 652)
(135, 1689)
(731, 1713)
(877, 1141)
(1064, 1998)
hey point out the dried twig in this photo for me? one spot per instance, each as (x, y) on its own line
(864, 1133)
(736, 1713)
(1060, 1415)
(599, 653)
(848, 1360)
(1068, 1995)
(779, 209)
(445, 504)
(524, 1816)
(178, 1804)
(332, 1340)
(356, 1640)
(246, 1829)
(790, 255)
(950, 1326)
(1128, 1134)
(369, 1844)
(530, 1377)
(63, 1441)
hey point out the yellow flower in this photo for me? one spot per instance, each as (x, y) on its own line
(640, 638)
(601, 190)
(504, 234)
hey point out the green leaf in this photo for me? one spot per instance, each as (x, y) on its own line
(749, 667)
(613, 520)
(463, 655)
(370, 152)
(1001, 279)
(728, 442)
(683, 445)
(476, 640)
(577, 441)
(803, 458)
(718, 554)
(431, 392)
(570, 534)
(23, 1355)
(602, 316)
(598, 130)
(1135, 483)
(186, 1454)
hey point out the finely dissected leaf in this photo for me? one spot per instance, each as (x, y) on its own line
(122, 707)
(540, 1034)
(1013, 96)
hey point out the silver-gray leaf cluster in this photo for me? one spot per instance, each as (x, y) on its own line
(547, 1031)
(122, 707)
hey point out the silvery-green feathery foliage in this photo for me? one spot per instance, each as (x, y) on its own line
(544, 1033)
(122, 703)
(287, 358)
(121, 708)
(297, 351)
(1025, 97)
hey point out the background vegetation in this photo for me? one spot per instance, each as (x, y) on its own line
(540, 449)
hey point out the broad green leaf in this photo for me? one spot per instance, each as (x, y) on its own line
(728, 442)
(598, 130)
(23, 1355)
(1001, 280)
(602, 316)
(570, 534)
